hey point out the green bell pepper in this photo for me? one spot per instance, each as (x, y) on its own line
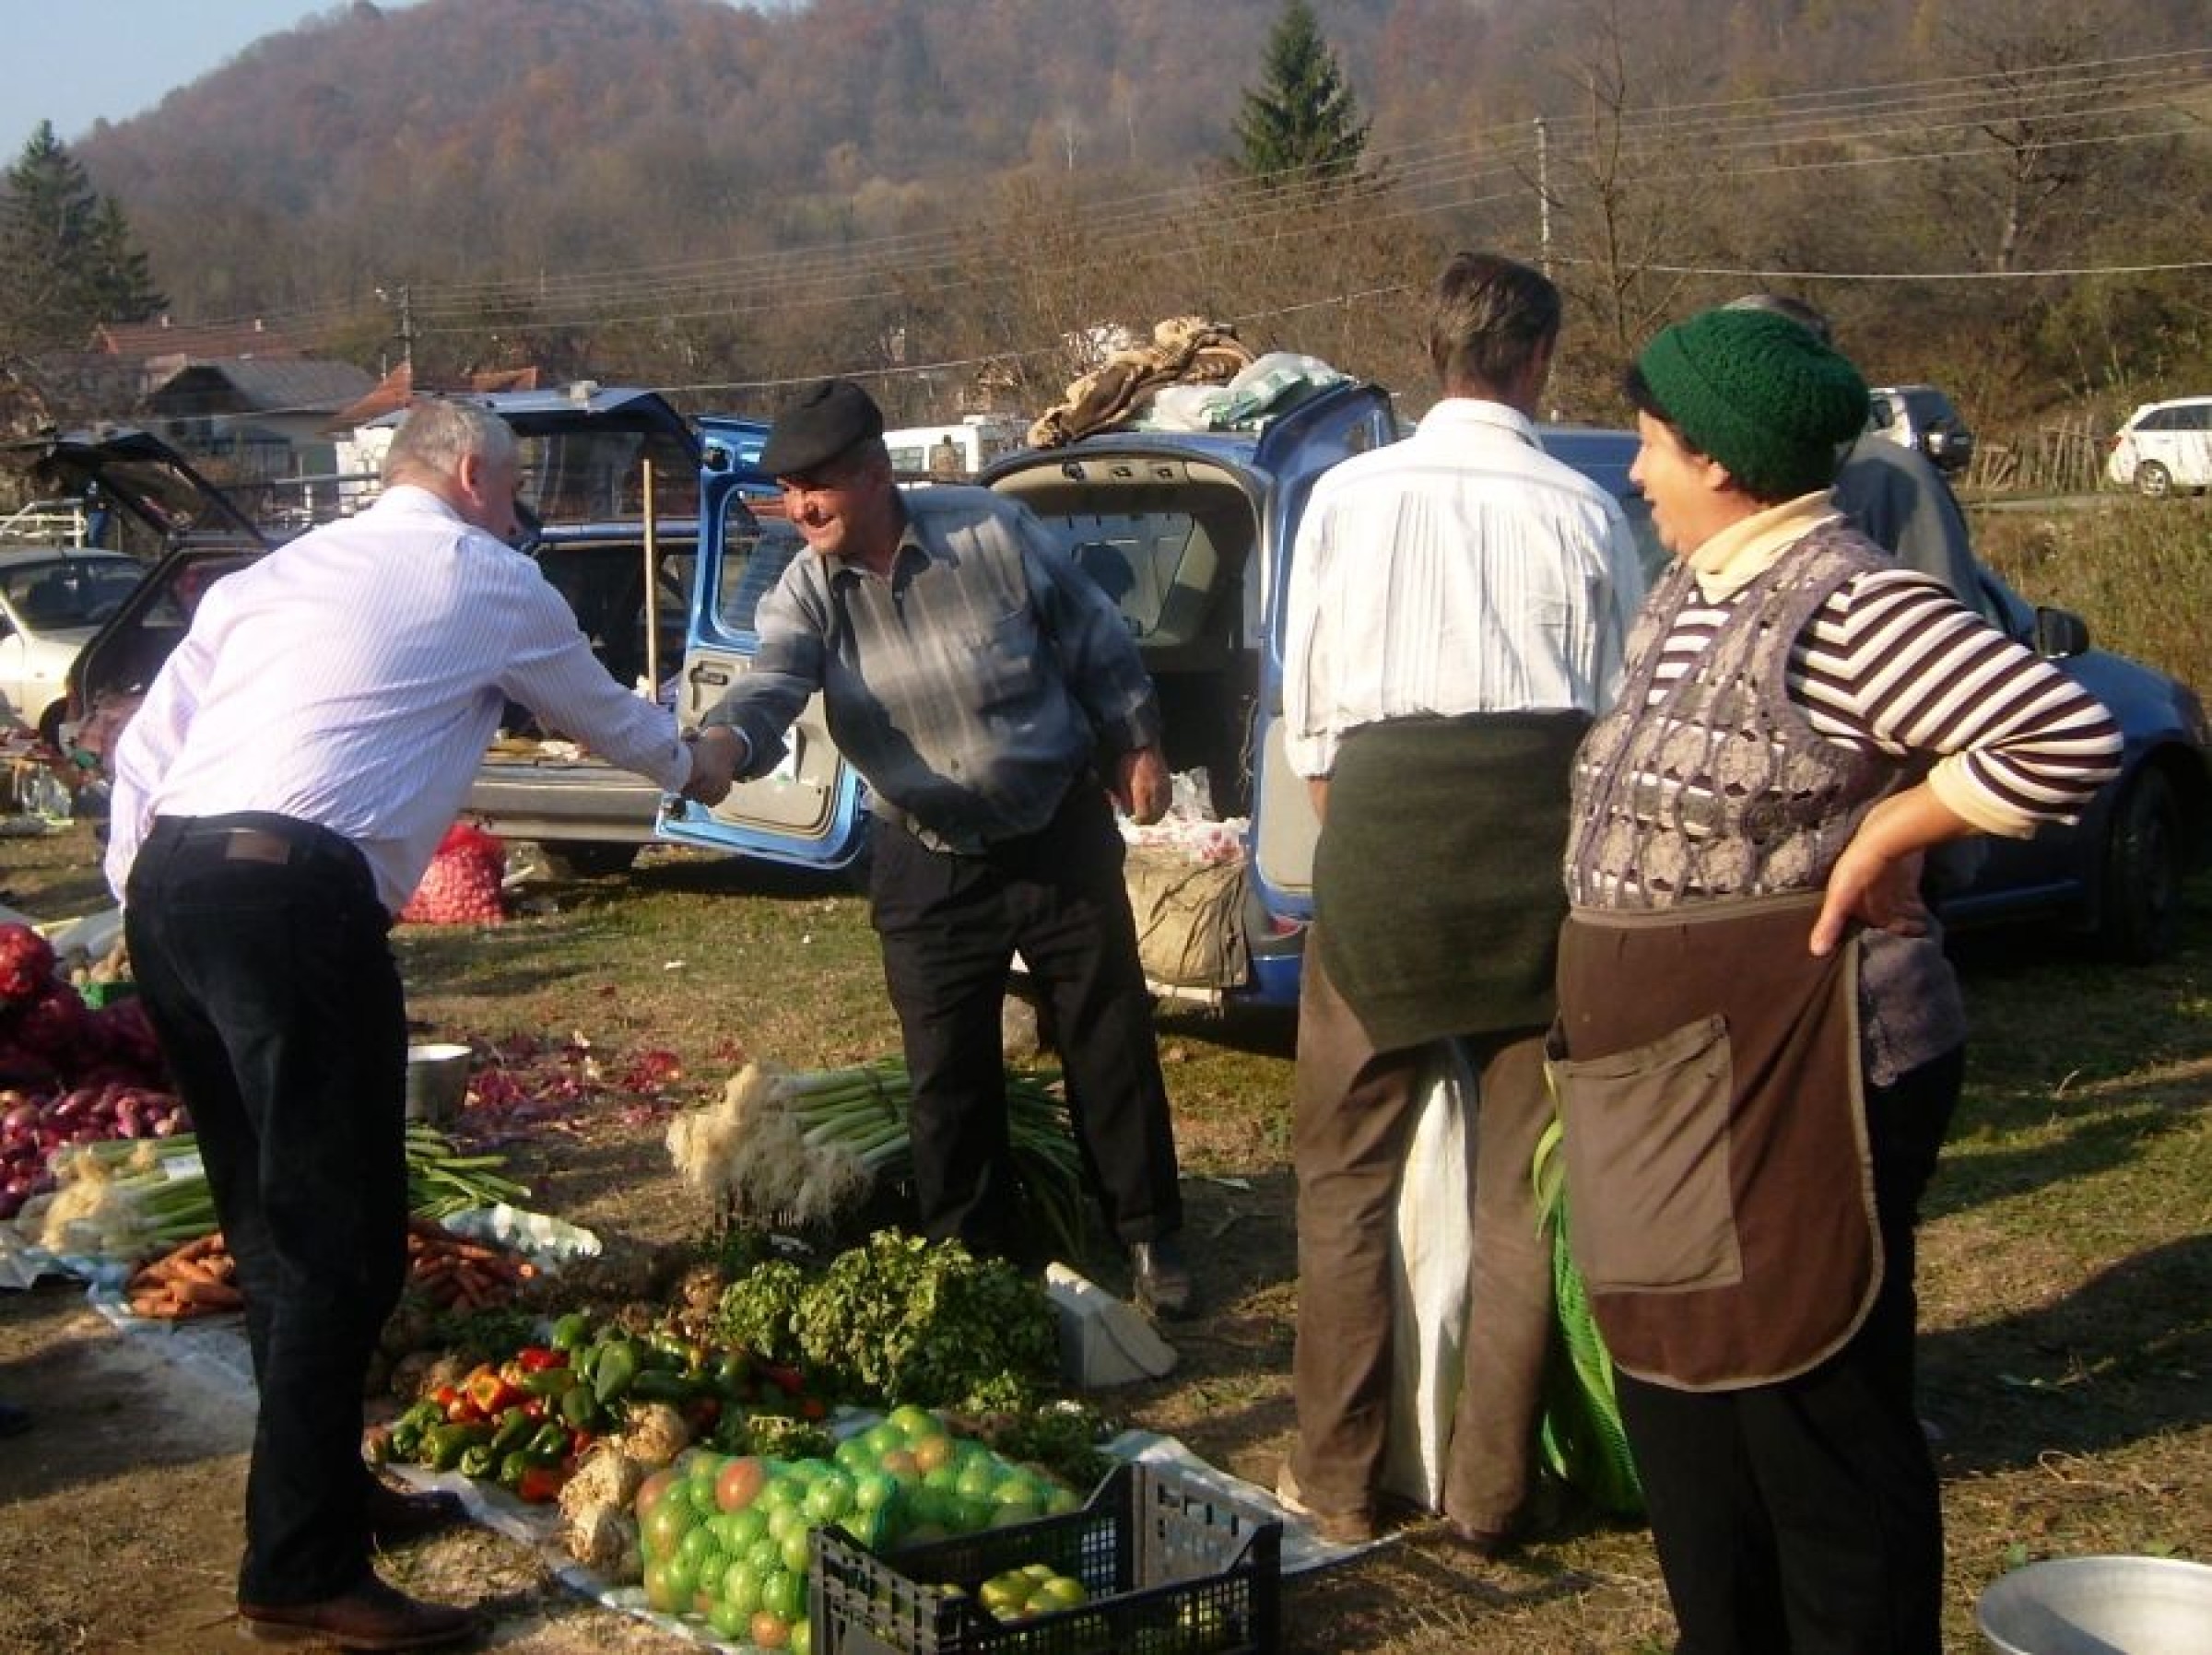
(614, 1371)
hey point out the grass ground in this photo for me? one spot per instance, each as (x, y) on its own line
(2066, 1282)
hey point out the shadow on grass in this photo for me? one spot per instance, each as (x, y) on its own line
(2118, 1361)
(2078, 1139)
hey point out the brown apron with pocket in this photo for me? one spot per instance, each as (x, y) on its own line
(1707, 1070)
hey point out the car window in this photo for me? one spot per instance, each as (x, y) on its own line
(68, 592)
(754, 555)
(603, 582)
(1158, 567)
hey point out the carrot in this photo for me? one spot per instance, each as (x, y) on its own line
(212, 1296)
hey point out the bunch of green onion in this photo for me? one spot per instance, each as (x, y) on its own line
(803, 1148)
(128, 1198)
(441, 1180)
(124, 1198)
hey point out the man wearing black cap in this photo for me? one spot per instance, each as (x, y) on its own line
(982, 684)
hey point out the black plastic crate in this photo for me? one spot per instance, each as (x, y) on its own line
(1171, 1568)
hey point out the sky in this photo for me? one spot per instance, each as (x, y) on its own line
(75, 61)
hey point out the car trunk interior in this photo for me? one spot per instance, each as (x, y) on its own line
(1171, 542)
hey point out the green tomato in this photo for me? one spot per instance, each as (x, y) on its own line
(698, 1543)
(913, 1421)
(783, 1594)
(738, 1529)
(873, 1490)
(730, 1622)
(660, 1596)
(679, 1574)
(741, 1587)
(830, 1498)
(787, 1521)
(1058, 1591)
(798, 1553)
(666, 1524)
(765, 1554)
(802, 1637)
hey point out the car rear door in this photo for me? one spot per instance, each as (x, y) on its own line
(809, 810)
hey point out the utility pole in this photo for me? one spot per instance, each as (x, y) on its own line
(407, 323)
(1542, 199)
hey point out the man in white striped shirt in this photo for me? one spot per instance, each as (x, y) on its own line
(1458, 608)
(277, 799)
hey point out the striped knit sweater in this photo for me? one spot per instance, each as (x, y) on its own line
(1754, 728)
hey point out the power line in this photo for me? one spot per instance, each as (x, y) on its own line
(1445, 176)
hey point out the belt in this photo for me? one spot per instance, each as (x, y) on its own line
(266, 837)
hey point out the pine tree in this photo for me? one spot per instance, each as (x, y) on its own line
(66, 260)
(1301, 127)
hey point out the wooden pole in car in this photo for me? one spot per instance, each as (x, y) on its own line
(653, 592)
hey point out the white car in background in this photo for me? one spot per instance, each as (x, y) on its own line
(52, 599)
(2164, 446)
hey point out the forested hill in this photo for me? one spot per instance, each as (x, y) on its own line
(482, 145)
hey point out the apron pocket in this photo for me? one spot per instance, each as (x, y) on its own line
(1647, 1162)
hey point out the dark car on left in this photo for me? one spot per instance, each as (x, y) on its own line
(610, 485)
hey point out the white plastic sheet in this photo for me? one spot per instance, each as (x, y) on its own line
(1431, 1253)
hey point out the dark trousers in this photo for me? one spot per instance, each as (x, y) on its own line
(1803, 1517)
(950, 926)
(1354, 1118)
(260, 955)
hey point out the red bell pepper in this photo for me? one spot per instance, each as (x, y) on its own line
(539, 1484)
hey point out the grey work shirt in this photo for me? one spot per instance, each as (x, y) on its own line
(971, 687)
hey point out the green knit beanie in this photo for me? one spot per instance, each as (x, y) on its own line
(1760, 394)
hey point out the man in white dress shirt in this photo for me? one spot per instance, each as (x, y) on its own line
(1458, 610)
(277, 799)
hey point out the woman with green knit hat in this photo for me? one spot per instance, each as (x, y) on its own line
(1759, 1041)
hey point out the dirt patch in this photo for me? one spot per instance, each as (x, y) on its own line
(2064, 1283)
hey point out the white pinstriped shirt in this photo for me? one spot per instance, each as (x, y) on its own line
(1462, 571)
(353, 677)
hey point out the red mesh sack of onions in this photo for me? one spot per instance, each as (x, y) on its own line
(462, 885)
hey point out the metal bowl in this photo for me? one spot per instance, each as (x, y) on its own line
(2099, 1606)
(437, 1083)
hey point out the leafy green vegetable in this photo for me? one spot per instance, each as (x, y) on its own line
(1063, 1436)
(901, 1319)
(759, 1310)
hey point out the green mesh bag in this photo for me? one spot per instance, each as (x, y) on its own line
(1581, 1437)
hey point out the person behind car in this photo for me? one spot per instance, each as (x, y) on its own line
(977, 679)
(1458, 606)
(278, 797)
(1759, 1046)
(1894, 494)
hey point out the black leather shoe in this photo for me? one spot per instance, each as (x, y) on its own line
(396, 1516)
(372, 1616)
(1158, 1279)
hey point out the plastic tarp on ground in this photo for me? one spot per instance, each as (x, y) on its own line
(213, 1349)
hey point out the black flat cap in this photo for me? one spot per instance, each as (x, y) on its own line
(820, 423)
